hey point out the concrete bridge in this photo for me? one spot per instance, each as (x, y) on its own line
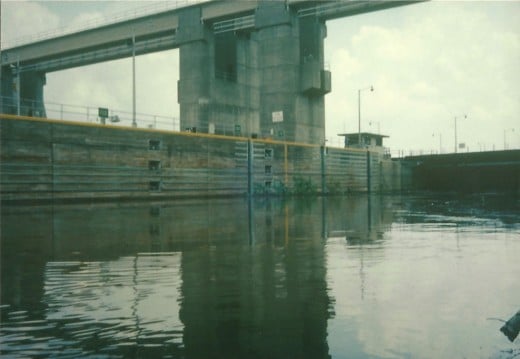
(255, 65)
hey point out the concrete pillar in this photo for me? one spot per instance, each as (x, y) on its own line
(278, 65)
(315, 82)
(237, 82)
(218, 86)
(31, 92)
(31, 103)
(7, 91)
(194, 63)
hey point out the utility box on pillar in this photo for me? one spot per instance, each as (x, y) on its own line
(314, 80)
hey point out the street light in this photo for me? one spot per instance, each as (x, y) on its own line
(371, 88)
(18, 90)
(134, 122)
(465, 116)
(505, 131)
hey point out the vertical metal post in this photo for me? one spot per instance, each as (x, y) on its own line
(465, 116)
(323, 169)
(369, 172)
(359, 116)
(134, 122)
(371, 88)
(286, 165)
(250, 167)
(455, 134)
(18, 90)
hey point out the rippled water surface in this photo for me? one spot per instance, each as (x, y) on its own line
(349, 277)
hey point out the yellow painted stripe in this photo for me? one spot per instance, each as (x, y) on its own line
(169, 132)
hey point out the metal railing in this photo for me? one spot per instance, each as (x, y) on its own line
(115, 52)
(101, 21)
(79, 113)
(123, 118)
(115, 117)
(239, 23)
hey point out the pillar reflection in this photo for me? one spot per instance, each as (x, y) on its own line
(229, 278)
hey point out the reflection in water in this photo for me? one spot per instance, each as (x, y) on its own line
(365, 276)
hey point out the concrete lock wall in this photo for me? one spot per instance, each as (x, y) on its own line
(54, 160)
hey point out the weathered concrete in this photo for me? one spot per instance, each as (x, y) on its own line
(58, 160)
(255, 66)
(496, 171)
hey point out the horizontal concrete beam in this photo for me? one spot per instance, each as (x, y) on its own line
(118, 34)
(68, 50)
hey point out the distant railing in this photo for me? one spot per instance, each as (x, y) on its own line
(124, 118)
(114, 117)
(68, 112)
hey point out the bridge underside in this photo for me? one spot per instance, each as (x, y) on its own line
(255, 66)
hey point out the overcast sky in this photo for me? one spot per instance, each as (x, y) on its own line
(428, 63)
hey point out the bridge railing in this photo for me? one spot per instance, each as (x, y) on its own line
(101, 21)
(68, 112)
(115, 117)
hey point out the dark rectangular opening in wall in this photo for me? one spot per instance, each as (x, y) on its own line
(154, 145)
(155, 211)
(310, 46)
(155, 185)
(268, 169)
(154, 230)
(226, 56)
(268, 153)
(154, 165)
(268, 184)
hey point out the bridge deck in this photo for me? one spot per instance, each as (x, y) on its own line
(157, 32)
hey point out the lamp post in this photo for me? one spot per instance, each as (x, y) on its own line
(134, 122)
(18, 90)
(465, 116)
(506, 131)
(371, 88)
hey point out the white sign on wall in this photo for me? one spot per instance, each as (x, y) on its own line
(277, 116)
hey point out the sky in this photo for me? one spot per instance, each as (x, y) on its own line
(429, 63)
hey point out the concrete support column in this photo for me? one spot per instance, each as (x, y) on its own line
(194, 62)
(31, 92)
(315, 81)
(250, 179)
(193, 86)
(294, 82)
(369, 172)
(31, 103)
(268, 80)
(7, 91)
(278, 63)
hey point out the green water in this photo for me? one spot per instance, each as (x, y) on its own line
(348, 277)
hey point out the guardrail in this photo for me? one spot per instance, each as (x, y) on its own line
(101, 21)
(115, 117)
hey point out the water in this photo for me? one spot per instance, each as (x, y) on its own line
(351, 277)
